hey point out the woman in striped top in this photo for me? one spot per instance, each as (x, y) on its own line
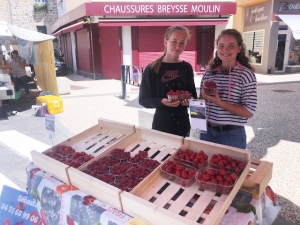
(236, 97)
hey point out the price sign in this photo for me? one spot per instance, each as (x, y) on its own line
(16, 207)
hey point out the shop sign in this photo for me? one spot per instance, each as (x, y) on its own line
(116, 9)
(286, 7)
(165, 8)
(258, 14)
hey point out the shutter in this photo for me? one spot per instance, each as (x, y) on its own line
(151, 45)
(83, 50)
(110, 51)
(68, 56)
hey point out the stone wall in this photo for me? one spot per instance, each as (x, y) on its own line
(4, 11)
(23, 14)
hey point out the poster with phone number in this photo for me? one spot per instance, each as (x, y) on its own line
(18, 208)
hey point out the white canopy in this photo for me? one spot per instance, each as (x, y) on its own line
(28, 35)
(293, 22)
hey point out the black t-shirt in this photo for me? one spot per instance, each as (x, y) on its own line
(172, 76)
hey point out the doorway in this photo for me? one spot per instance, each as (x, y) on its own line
(282, 51)
(205, 46)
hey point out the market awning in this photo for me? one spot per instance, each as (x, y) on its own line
(68, 29)
(139, 23)
(293, 22)
(4, 32)
(29, 35)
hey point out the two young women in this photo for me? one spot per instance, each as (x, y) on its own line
(227, 111)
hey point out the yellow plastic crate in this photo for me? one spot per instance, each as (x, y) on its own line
(54, 103)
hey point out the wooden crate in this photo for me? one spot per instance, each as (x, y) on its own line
(159, 146)
(258, 178)
(150, 204)
(92, 141)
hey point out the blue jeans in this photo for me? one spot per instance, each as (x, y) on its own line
(235, 138)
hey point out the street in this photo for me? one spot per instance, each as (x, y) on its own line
(272, 134)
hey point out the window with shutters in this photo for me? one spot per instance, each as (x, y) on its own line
(254, 41)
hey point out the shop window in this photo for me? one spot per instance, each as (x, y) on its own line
(294, 55)
(254, 41)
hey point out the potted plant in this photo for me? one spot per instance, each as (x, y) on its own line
(39, 6)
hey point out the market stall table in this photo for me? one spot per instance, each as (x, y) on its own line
(64, 203)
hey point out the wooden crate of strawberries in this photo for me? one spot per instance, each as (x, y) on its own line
(180, 201)
(81, 148)
(124, 166)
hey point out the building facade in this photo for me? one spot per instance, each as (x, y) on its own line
(36, 15)
(97, 37)
(270, 32)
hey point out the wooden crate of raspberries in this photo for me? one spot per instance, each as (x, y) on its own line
(124, 166)
(81, 148)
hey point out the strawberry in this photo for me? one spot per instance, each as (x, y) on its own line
(233, 176)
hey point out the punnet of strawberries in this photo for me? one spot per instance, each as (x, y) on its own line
(178, 95)
(179, 173)
(209, 87)
(220, 161)
(192, 158)
(217, 180)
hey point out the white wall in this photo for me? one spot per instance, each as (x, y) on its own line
(126, 43)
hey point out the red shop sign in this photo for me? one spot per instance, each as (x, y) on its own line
(159, 8)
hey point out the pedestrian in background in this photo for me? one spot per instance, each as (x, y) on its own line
(19, 76)
(236, 95)
(167, 73)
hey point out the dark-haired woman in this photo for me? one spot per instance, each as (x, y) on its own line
(168, 73)
(236, 96)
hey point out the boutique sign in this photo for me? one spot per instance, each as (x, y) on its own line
(286, 7)
(258, 14)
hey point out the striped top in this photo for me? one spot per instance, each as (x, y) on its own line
(236, 86)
